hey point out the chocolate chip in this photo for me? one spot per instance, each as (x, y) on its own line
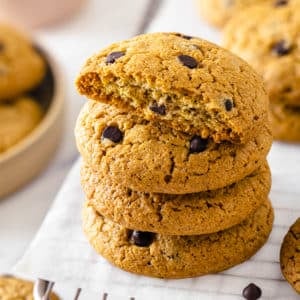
(159, 109)
(1, 46)
(112, 57)
(142, 238)
(228, 104)
(281, 48)
(252, 292)
(280, 3)
(113, 133)
(187, 37)
(198, 144)
(188, 61)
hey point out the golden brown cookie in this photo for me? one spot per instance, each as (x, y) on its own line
(21, 67)
(150, 157)
(286, 122)
(290, 256)
(187, 83)
(189, 214)
(168, 256)
(269, 41)
(12, 288)
(218, 12)
(18, 118)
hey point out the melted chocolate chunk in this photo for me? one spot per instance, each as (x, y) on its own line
(280, 3)
(186, 37)
(281, 48)
(198, 144)
(112, 57)
(252, 292)
(158, 109)
(188, 61)
(228, 104)
(113, 133)
(141, 238)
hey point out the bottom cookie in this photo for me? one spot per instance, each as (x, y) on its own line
(167, 256)
(285, 122)
(290, 256)
(12, 288)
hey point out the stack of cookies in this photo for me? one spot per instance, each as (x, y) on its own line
(270, 42)
(21, 70)
(174, 139)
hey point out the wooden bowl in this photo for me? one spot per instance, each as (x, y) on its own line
(27, 158)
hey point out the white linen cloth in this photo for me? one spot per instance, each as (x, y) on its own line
(61, 253)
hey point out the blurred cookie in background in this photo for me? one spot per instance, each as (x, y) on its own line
(270, 41)
(21, 67)
(18, 118)
(218, 12)
(31, 108)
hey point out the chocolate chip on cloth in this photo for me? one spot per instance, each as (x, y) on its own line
(290, 256)
(154, 158)
(187, 84)
(273, 49)
(252, 292)
(171, 256)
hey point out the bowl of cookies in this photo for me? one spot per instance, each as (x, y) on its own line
(31, 108)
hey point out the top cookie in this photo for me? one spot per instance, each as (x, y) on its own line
(218, 12)
(270, 41)
(21, 67)
(190, 84)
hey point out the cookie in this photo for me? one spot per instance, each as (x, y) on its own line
(12, 288)
(290, 256)
(21, 67)
(188, 214)
(17, 119)
(286, 122)
(218, 12)
(269, 41)
(187, 83)
(150, 157)
(169, 256)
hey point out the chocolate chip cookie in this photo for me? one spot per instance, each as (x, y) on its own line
(218, 12)
(269, 41)
(150, 157)
(18, 118)
(286, 122)
(188, 214)
(21, 67)
(290, 256)
(186, 83)
(12, 288)
(169, 256)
